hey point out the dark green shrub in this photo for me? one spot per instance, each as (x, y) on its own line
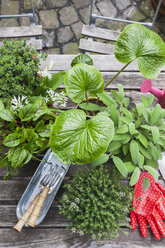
(95, 203)
(19, 64)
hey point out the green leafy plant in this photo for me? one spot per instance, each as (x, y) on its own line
(25, 131)
(96, 204)
(139, 137)
(19, 64)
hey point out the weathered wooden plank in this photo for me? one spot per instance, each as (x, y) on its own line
(97, 47)
(100, 33)
(33, 43)
(103, 62)
(23, 31)
(62, 238)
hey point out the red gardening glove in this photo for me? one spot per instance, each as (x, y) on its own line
(148, 205)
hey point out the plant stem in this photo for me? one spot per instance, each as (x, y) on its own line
(122, 69)
(86, 96)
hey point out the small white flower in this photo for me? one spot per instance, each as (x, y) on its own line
(18, 102)
(81, 233)
(73, 229)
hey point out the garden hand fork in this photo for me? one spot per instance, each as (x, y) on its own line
(48, 183)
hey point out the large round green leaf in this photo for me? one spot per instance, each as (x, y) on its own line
(83, 78)
(78, 140)
(140, 43)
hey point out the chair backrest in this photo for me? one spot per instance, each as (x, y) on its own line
(31, 32)
(89, 45)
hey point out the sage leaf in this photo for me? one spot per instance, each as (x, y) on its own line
(143, 140)
(7, 115)
(114, 145)
(120, 166)
(132, 129)
(75, 139)
(135, 177)
(146, 183)
(152, 171)
(89, 106)
(106, 98)
(82, 58)
(12, 140)
(155, 134)
(114, 114)
(140, 43)
(83, 79)
(125, 148)
(101, 160)
(155, 114)
(122, 129)
(141, 161)
(134, 150)
(130, 166)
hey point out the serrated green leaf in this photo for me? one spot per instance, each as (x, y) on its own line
(120, 136)
(126, 140)
(101, 160)
(144, 45)
(106, 98)
(145, 101)
(127, 114)
(89, 106)
(138, 122)
(82, 79)
(144, 151)
(142, 111)
(75, 139)
(150, 100)
(120, 166)
(126, 102)
(134, 150)
(7, 115)
(124, 119)
(12, 140)
(135, 177)
(116, 96)
(155, 134)
(146, 127)
(156, 154)
(152, 171)
(146, 183)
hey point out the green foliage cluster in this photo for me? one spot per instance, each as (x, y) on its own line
(139, 135)
(24, 133)
(96, 204)
(19, 64)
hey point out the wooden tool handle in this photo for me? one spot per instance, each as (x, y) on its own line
(37, 209)
(21, 222)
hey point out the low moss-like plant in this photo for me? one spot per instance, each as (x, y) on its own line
(96, 204)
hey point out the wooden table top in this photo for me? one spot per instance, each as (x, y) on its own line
(52, 231)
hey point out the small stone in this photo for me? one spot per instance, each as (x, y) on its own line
(137, 16)
(25, 21)
(147, 7)
(120, 4)
(9, 7)
(116, 26)
(48, 38)
(52, 51)
(9, 23)
(64, 35)
(70, 48)
(48, 19)
(107, 9)
(81, 3)
(129, 12)
(77, 28)
(68, 15)
(51, 4)
(85, 15)
(38, 4)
